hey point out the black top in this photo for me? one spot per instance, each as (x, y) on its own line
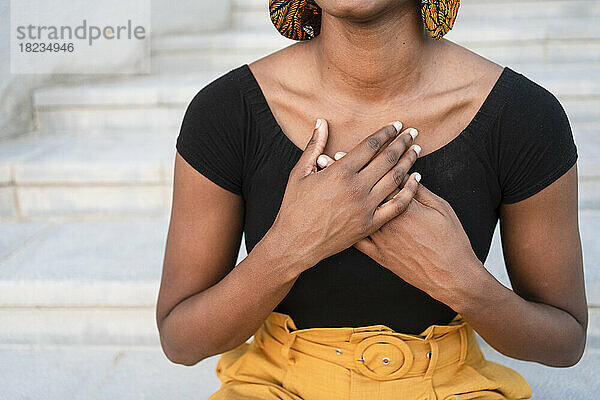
(518, 143)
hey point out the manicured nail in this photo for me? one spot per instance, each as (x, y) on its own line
(397, 126)
(339, 155)
(413, 133)
(417, 177)
(417, 149)
(322, 161)
(318, 123)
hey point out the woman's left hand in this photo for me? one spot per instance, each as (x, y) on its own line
(426, 246)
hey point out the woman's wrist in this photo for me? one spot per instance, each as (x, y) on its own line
(281, 249)
(470, 292)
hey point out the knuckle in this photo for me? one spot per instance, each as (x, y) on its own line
(398, 175)
(365, 226)
(391, 156)
(389, 131)
(374, 143)
(400, 205)
(312, 142)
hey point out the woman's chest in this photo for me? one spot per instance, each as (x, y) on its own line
(453, 172)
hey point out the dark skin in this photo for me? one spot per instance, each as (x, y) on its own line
(206, 306)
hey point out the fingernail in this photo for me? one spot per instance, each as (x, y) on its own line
(318, 123)
(417, 149)
(417, 177)
(413, 133)
(322, 161)
(339, 155)
(397, 126)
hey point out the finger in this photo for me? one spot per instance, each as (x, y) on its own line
(389, 196)
(324, 161)
(308, 160)
(398, 204)
(395, 176)
(367, 148)
(389, 156)
(428, 198)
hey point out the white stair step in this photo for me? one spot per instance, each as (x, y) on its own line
(92, 175)
(110, 263)
(98, 326)
(102, 373)
(144, 103)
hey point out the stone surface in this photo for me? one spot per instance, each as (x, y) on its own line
(79, 325)
(88, 258)
(8, 205)
(53, 373)
(549, 383)
(150, 375)
(47, 202)
(111, 157)
(14, 235)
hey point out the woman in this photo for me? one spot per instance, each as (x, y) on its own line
(362, 280)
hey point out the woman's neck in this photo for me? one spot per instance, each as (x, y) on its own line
(372, 61)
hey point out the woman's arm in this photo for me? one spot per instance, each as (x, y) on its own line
(206, 306)
(203, 308)
(545, 318)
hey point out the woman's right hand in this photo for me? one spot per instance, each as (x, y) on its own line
(326, 211)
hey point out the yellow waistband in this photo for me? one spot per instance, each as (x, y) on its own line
(376, 351)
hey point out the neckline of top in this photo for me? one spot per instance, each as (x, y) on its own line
(490, 106)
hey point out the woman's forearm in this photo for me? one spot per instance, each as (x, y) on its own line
(516, 327)
(228, 313)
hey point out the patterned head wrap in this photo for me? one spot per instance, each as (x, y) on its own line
(301, 19)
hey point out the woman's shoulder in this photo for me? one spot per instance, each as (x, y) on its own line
(531, 105)
(219, 90)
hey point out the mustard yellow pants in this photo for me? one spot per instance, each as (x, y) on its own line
(444, 362)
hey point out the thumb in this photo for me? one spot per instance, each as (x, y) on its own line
(308, 160)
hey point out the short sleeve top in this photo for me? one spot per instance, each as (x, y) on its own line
(518, 143)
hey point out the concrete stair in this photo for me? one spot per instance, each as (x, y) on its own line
(85, 200)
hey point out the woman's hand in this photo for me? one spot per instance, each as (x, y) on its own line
(425, 245)
(324, 212)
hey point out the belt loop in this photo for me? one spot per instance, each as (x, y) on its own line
(285, 350)
(430, 333)
(433, 358)
(463, 344)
